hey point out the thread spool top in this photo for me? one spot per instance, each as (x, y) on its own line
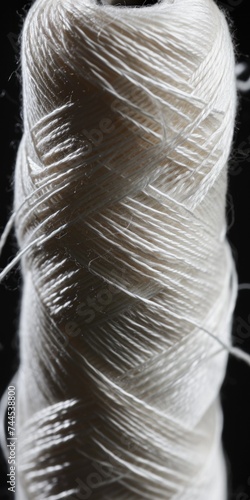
(132, 3)
(129, 3)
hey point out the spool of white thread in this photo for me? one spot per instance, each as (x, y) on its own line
(129, 283)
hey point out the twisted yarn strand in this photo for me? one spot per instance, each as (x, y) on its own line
(128, 280)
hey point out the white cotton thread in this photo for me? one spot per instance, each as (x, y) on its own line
(129, 284)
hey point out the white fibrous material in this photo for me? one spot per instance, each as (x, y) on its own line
(129, 284)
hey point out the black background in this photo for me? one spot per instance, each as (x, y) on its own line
(235, 394)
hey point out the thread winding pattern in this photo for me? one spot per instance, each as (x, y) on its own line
(129, 284)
